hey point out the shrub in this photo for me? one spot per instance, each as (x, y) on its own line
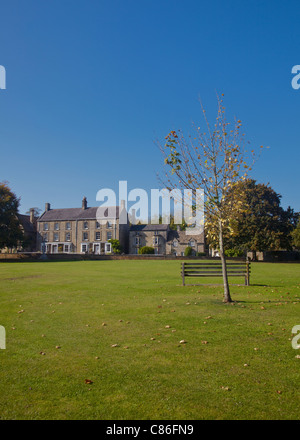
(146, 250)
(234, 253)
(188, 251)
(116, 247)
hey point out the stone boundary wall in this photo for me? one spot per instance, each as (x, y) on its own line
(37, 256)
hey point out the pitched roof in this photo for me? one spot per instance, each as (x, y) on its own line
(183, 238)
(150, 228)
(26, 223)
(69, 214)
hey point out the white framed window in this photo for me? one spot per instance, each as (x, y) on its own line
(192, 243)
(56, 226)
(68, 226)
(46, 227)
(85, 236)
(56, 236)
(109, 225)
(98, 226)
(107, 247)
(67, 248)
(175, 243)
(84, 247)
(68, 236)
(98, 235)
(109, 235)
(85, 225)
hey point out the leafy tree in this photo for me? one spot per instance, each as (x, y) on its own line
(146, 250)
(262, 224)
(11, 234)
(116, 246)
(214, 161)
(36, 211)
(296, 236)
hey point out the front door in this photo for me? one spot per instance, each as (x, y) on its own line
(97, 249)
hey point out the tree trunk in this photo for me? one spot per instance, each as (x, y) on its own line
(227, 297)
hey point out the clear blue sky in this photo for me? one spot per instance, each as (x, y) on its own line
(92, 84)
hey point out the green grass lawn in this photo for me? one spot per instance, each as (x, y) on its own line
(247, 369)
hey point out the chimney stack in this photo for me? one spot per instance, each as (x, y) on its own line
(31, 216)
(47, 206)
(84, 203)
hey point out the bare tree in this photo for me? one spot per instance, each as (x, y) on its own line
(214, 161)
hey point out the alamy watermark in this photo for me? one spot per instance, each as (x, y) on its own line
(2, 338)
(295, 330)
(2, 78)
(296, 78)
(185, 206)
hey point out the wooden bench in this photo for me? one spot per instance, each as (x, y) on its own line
(241, 269)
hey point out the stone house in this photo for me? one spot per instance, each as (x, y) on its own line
(148, 235)
(178, 241)
(79, 230)
(28, 225)
(164, 240)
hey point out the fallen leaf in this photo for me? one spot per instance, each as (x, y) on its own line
(88, 381)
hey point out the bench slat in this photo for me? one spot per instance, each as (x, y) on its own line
(213, 272)
(217, 275)
(215, 264)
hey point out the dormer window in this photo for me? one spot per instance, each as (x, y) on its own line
(109, 225)
(155, 240)
(175, 243)
(192, 243)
